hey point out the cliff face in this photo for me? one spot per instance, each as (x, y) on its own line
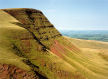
(37, 24)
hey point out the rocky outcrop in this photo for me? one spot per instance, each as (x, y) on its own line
(13, 72)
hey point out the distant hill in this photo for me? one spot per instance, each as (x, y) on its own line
(32, 48)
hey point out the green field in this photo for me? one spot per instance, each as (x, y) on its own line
(99, 35)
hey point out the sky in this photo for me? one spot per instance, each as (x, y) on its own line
(68, 14)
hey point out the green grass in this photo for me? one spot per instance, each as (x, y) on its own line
(23, 40)
(7, 55)
(13, 35)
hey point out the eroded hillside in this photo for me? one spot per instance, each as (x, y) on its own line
(31, 45)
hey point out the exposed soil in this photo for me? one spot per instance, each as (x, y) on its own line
(13, 72)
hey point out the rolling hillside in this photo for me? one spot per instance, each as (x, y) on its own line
(32, 48)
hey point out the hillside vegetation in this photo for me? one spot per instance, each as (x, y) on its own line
(30, 45)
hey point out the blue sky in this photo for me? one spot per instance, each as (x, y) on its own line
(68, 14)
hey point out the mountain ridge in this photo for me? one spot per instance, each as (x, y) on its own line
(34, 45)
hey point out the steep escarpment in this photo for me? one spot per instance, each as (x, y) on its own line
(15, 42)
(31, 45)
(37, 24)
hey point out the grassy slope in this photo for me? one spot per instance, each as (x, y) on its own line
(89, 43)
(64, 60)
(93, 57)
(49, 64)
(6, 52)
